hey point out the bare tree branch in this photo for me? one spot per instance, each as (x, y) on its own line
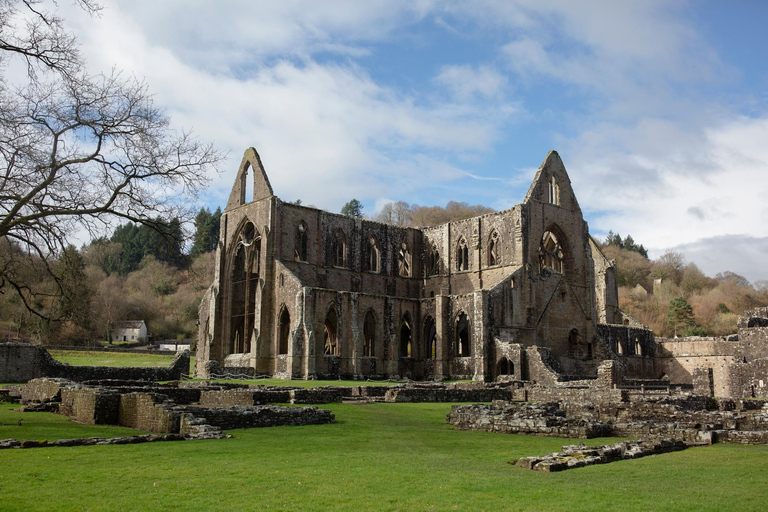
(80, 151)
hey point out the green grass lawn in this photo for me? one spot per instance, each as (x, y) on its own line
(100, 358)
(377, 457)
(43, 425)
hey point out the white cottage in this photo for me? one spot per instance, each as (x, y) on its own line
(130, 330)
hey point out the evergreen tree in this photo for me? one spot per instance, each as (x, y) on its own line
(680, 315)
(353, 208)
(206, 232)
(164, 241)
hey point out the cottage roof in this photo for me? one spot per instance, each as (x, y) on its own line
(129, 324)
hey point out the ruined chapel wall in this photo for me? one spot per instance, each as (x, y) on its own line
(605, 286)
(677, 358)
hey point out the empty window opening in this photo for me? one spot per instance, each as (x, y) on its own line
(285, 331)
(405, 337)
(244, 278)
(551, 254)
(494, 249)
(619, 348)
(589, 351)
(246, 185)
(505, 367)
(340, 249)
(430, 337)
(330, 335)
(300, 252)
(638, 347)
(462, 336)
(369, 334)
(757, 322)
(462, 255)
(433, 261)
(404, 261)
(553, 195)
(374, 255)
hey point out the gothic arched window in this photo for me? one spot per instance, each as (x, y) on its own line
(462, 255)
(300, 252)
(404, 261)
(551, 254)
(494, 249)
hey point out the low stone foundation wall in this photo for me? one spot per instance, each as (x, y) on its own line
(151, 407)
(260, 416)
(459, 392)
(578, 456)
(148, 411)
(547, 419)
(91, 406)
(548, 394)
(691, 419)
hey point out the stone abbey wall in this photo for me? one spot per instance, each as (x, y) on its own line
(300, 292)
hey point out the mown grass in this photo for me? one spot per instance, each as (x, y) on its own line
(101, 358)
(42, 425)
(377, 457)
(97, 358)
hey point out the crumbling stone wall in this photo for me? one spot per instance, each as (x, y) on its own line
(22, 362)
(690, 419)
(261, 416)
(634, 347)
(89, 405)
(146, 411)
(748, 379)
(676, 360)
(458, 392)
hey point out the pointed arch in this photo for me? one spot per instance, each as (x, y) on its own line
(339, 249)
(369, 334)
(462, 255)
(283, 330)
(553, 191)
(331, 333)
(505, 367)
(494, 249)
(552, 253)
(404, 260)
(430, 338)
(243, 272)
(373, 260)
(463, 339)
(300, 250)
(406, 341)
(433, 261)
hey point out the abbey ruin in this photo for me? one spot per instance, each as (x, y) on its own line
(519, 295)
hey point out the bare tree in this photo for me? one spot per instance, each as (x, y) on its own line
(79, 151)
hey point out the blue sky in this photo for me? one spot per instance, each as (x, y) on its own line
(658, 108)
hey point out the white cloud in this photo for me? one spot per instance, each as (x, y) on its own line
(325, 132)
(465, 81)
(648, 155)
(232, 35)
(682, 193)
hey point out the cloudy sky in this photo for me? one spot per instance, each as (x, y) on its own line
(658, 108)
